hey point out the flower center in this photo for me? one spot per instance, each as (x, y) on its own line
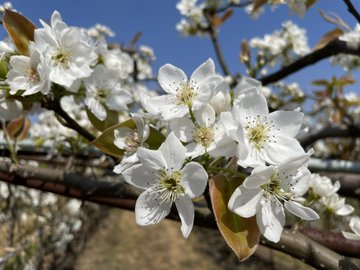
(168, 186)
(62, 57)
(32, 75)
(132, 142)
(185, 94)
(258, 132)
(274, 189)
(102, 94)
(204, 136)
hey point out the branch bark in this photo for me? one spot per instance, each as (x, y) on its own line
(123, 196)
(329, 132)
(332, 48)
(352, 10)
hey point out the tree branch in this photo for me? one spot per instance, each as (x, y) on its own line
(332, 48)
(214, 38)
(123, 196)
(54, 105)
(352, 10)
(328, 132)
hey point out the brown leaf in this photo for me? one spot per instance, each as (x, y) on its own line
(258, 4)
(18, 128)
(334, 19)
(20, 29)
(241, 234)
(227, 15)
(327, 37)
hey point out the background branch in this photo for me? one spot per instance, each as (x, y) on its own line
(332, 48)
(120, 195)
(329, 132)
(352, 10)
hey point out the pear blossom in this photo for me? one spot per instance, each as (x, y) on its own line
(262, 137)
(206, 135)
(268, 190)
(336, 204)
(9, 109)
(119, 61)
(166, 181)
(130, 140)
(355, 227)
(322, 186)
(28, 73)
(103, 91)
(184, 94)
(66, 53)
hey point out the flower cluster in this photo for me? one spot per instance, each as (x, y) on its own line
(206, 119)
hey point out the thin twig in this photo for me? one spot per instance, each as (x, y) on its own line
(352, 10)
(55, 106)
(332, 48)
(214, 38)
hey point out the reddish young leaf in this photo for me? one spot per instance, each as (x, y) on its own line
(20, 29)
(241, 234)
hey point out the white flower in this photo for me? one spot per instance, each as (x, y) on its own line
(9, 109)
(28, 73)
(322, 185)
(66, 53)
(130, 140)
(100, 31)
(206, 135)
(355, 227)
(336, 204)
(298, 7)
(103, 90)
(262, 137)
(166, 181)
(119, 61)
(183, 93)
(268, 190)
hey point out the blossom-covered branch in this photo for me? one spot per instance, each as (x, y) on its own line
(332, 48)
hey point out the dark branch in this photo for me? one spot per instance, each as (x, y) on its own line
(118, 194)
(55, 106)
(332, 48)
(329, 132)
(352, 10)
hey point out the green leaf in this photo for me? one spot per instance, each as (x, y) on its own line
(105, 142)
(111, 119)
(241, 234)
(20, 29)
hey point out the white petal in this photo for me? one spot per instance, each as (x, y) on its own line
(140, 176)
(151, 158)
(205, 70)
(345, 210)
(183, 128)
(284, 149)
(301, 211)
(355, 225)
(259, 176)
(150, 210)
(194, 150)
(245, 202)
(126, 163)
(271, 220)
(170, 78)
(230, 125)
(350, 236)
(173, 152)
(206, 116)
(289, 122)
(185, 208)
(194, 179)
(252, 104)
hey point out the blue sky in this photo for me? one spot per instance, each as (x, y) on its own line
(156, 19)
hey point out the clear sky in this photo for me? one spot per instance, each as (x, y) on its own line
(156, 19)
